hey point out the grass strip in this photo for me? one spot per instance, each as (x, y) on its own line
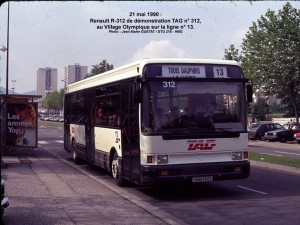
(280, 160)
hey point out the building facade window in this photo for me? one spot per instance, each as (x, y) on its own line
(77, 73)
(48, 78)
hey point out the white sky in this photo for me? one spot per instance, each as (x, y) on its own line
(58, 34)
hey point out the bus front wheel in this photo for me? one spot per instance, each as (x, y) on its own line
(116, 170)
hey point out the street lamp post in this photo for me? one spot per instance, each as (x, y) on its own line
(3, 48)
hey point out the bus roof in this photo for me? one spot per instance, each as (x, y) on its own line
(135, 69)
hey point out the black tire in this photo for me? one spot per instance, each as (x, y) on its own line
(262, 138)
(116, 171)
(283, 140)
(299, 142)
(75, 157)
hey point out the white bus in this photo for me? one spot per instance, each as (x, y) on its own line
(161, 120)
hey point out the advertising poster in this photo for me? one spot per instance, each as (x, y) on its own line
(21, 125)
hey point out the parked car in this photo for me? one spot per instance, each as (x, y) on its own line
(252, 125)
(297, 137)
(258, 130)
(285, 134)
(4, 200)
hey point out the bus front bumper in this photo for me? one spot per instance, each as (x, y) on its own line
(200, 172)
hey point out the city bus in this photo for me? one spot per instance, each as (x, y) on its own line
(161, 120)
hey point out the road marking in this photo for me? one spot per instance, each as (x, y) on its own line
(249, 189)
(46, 143)
(271, 154)
(288, 153)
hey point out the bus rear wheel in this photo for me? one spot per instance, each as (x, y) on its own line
(116, 170)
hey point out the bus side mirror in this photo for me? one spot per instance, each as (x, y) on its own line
(137, 90)
(249, 89)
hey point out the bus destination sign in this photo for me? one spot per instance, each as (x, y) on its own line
(192, 71)
(183, 71)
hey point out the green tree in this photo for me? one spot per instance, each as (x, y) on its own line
(260, 109)
(271, 54)
(61, 98)
(54, 100)
(276, 108)
(287, 106)
(100, 68)
(232, 54)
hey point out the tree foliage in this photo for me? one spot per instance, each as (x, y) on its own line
(276, 108)
(54, 100)
(102, 67)
(232, 53)
(271, 54)
(260, 109)
(287, 106)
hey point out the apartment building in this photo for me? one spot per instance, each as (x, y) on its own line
(74, 73)
(46, 81)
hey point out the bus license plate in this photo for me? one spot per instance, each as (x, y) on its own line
(202, 179)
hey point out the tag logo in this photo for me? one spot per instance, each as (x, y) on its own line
(201, 145)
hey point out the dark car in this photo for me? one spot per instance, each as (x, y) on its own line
(285, 134)
(258, 130)
(297, 137)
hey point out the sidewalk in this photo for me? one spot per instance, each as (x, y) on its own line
(44, 190)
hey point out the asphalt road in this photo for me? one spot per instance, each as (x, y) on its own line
(267, 197)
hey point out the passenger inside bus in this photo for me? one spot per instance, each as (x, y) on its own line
(204, 106)
(100, 117)
(160, 120)
(204, 111)
(114, 120)
(187, 119)
(174, 117)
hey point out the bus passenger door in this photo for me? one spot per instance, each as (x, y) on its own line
(130, 132)
(89, 126)
(67, 120)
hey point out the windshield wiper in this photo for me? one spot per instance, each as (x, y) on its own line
(204, 130)
(173, 132)
(201, 133)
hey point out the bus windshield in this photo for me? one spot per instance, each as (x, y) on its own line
(192, 107)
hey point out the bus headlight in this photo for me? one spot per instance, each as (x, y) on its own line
(237, 156)
(162, 159)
